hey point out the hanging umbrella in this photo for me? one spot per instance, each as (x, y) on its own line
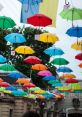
(49, 78)
(48, 95)
(29, 85)
(40, 91)
(16, 75)
(11, 88)
(66, 76)
(64, 89)
(53, 51)
(39, 67)
(48, 38)
(30, 1)
(32, 60)
(24, 50)
(6, 22)
(4, 84)
(34, 89)
(7, 67)
(1, 80)
(22, 80)
(44, 73)
(2, 89)
(19, 92)
(71, 80)
(2, 59)
(31, 96)
(64, 69)
(79, 56)
(77, 46)
(39, 20)
(80, 65)
(59, 61)
(15, 38)
(57, 84)
(74, 86)
(54, 81)
(40, 96)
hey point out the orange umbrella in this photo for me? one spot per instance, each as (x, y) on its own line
(39, 67)
(65, 76)
(40, 96)
(29, 85)
(1, 80)
(80, 65)
(23, 80)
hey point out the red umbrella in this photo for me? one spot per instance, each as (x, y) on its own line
(32, 60)
(4, 84)
(39, 20)
(78, 56)
(29, 85)
(71, 81)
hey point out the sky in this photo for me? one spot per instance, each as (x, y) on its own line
(12, 8)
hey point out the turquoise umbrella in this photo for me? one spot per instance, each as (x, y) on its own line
(2, 59)
(19, 92)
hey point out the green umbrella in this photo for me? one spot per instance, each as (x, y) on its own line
(53, 81)
(2, 89)
(6, 22)
(34, 89)
(59, 61)
(7, 67)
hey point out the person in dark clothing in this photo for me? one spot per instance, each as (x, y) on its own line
(31, 114)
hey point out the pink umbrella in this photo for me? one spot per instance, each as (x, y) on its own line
(44, 73)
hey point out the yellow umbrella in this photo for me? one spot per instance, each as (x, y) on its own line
(48, 38)
(66, 76)
(39, 91)
(24, 50)
(77, 46)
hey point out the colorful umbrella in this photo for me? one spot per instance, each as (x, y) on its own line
(57, 84)
(54, 81)
(6, 22)
(1, 80)
(4, 84)
(2, 89)
(77, 46)
(64, 69)
(19, 92)
(34, 89)
(48, 95)
(39, 20)
(64, 89)
(7, 67)
(22, 80)
(40, 91)
(79, 56)
(2, 59)
(71, 80)
(48, 38)
(24, 50)
(29, 85)
(74, 86)
(66, 76)
(11, 88)
(80, 65)
(39, 67)
(49, 78)
(30, 1)
(15, 38)
(31, 96)
(16, 75)
(52, 51)
(32, 60)
(44, 73)
(59, 61)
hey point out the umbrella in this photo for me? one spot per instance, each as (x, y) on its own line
(53, 51)
(6, 22)
(15, 38)
(66, 76)
(57, 84)
(71, 80)
(79, 56)
(32, 60)
(74, 86)
(7, 67)
(1, 80)
(34, 89)
(48, 95)
(48, 38)
(4, 84)
(64, 69)
(44, 73)
(59, 96)
(24, 50)
(64, 89)
(49, 78)
(39, 20)
(19, 92)
(2, 59)
(11, 88)
(80, 65)
(60, 61)
(31, 96)
(15, 75)
(77, 46)
(39, 67)
(23, 80)
(30, 1)
(40, 91)
(54, 81)
(29, 85)
(2, 89)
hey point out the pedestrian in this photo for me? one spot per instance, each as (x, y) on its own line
(31, 114)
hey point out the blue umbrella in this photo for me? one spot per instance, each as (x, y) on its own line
(30, 1)
(57, 84)
(19, 92)
(48, 95)
(11, 88)
(49, 78)
(2, 59)
(64, 69)
(15, 38)
(52, 51)
(16, 75)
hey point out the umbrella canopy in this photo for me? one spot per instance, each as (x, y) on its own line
(29, 85)
(11, 88)
(15, 75)
(30, 1)
(15, 38)
(23, 80)
(77, 46)
(1, 80)
(2, 89)
(74, 86)
(39, 20)
(44, 73)
(40, 91)
(6, 22)
(71, 80)
(64, 69)
(39, 67)
(4, 84)
(19, 92)
(79, 56)
(60, 61)
(31, 96)
(49, 78)
(54, 81)
(24, 50)
(66, 76)
(71, 14)
(53, 51)
(64, 89)
(32, 60)
(48, 95)
(57, 84)
(80, 65)
(2, 59)
(7, 67)
(34, 89)
(48, 38)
